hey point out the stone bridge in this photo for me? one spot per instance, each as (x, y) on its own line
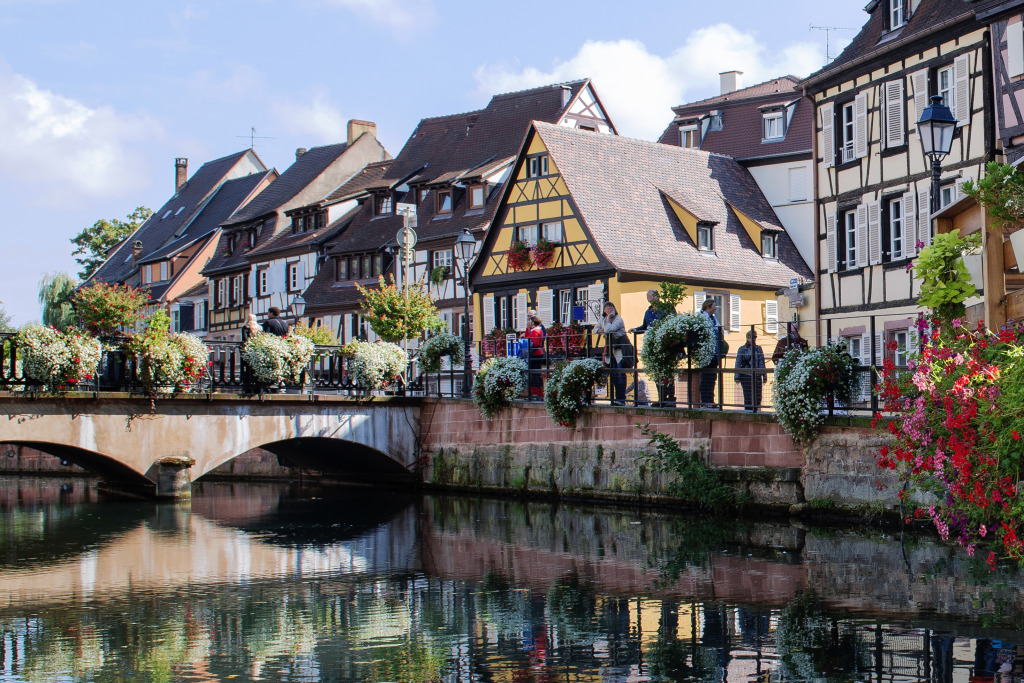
(159, 447)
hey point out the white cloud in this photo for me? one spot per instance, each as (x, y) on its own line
(639, 88)
(402, 17)
(318, 119)
(60, 144)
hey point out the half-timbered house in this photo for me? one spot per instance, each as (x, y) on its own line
(872, 179)
(624, 216)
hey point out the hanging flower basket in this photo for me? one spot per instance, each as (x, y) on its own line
(438, 347)
(498, 382)
(374, 366)
(274, 359)
(568, 389)
(519, 256)
(172, 362)
(57, 360)
(675, 337)
(542, 253)
(804, 384)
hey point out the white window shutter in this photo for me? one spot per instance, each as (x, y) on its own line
(830, 239)
(879, 349)
(924, 216)
(698, 301)
(920, 81)
(894, 107)
(250, 286)
(734, 312)
(546, 305)
(962, 94)
(1015, 49)
(828, 136)
(862, 235)
(909, 225)
(860, 126)
(771, 316)
(595, 294)
(911, 342)
(301, 265)
(519, 312)
(488, 313)
(874, 233)
(865, 361)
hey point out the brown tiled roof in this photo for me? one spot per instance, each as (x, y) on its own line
(930, 16)
(370, 175)
(199, 289)
(783, 84)
(286, 241)
(621, 185)
(742, 126)
(222, 262)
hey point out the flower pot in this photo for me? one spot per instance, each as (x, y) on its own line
(973, 264)
(1017, 242)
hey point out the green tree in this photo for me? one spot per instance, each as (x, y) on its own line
(55, 291)
(5, 320)
(92, 243)
(397, 313)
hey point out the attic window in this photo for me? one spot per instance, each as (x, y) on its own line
(295, 225)
(772, 124)
(383, 205)
(688, 137)
(321, 219)
(423, 194)
(769, 245)
(252, 239)
(705, 237)
(476, 196)
(444, 201)
(537, 166)
(896, 15)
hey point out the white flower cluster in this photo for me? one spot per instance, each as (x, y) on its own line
(568, 389)
(372, 366)
(56, 359)
(668, 337)
(804, 380)
(498, 382)
(273, 359)
(174, 363)
(439, 346)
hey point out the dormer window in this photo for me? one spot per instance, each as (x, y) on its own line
(705, 237)
(444, 201)
(296, 222)
(341, 269)
(321, 219)
(769, 245)
(537, 166)
(423, 194)
(252, 239)
(477, 196)
(231, 243)
(688, 137)
(896, 17)
(772, 126)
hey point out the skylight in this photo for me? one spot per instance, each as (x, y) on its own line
(179, 211)
(166, 214)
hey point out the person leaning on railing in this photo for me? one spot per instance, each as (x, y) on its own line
(534, 336)
(618, 352)
(667, 389)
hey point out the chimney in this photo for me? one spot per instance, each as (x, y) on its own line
(730, 81)
(566, 95)
(299, 152)
(357, 128)
(136, 251)
(180, 172)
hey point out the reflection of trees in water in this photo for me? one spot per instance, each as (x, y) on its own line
(813, 644)
(572, 607)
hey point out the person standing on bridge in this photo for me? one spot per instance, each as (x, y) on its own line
(274, 324)
(250, 328)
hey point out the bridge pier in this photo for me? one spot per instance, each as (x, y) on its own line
(173, 476)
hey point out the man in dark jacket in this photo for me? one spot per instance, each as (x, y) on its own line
(654, 313)
(750, 372)
(274, 324)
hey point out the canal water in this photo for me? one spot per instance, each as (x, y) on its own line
(276, 583)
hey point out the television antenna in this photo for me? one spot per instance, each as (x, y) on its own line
(828, 32)
(253, 137)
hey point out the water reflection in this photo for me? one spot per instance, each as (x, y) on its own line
(275, 583)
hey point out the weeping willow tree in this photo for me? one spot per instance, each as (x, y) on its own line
(55, 290)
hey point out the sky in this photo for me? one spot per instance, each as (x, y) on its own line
(98, 97)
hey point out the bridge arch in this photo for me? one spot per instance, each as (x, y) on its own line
(125, 438)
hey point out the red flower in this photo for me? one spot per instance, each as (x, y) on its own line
(1016, 436)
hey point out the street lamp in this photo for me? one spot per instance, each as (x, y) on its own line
(298, 306)
(935, 130)
(465, 248)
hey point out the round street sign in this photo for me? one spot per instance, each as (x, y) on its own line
(406, 238)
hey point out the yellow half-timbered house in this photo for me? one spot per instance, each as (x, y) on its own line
(625, 215)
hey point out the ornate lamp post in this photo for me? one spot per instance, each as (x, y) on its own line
(465, 248)
(935, 130)
(298, 306)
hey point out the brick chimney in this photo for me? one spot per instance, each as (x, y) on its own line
(357, 128)
(731, 81)
(299, 152)
(180, 172)
(136, 251)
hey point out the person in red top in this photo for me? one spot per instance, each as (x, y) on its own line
(535, 335)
